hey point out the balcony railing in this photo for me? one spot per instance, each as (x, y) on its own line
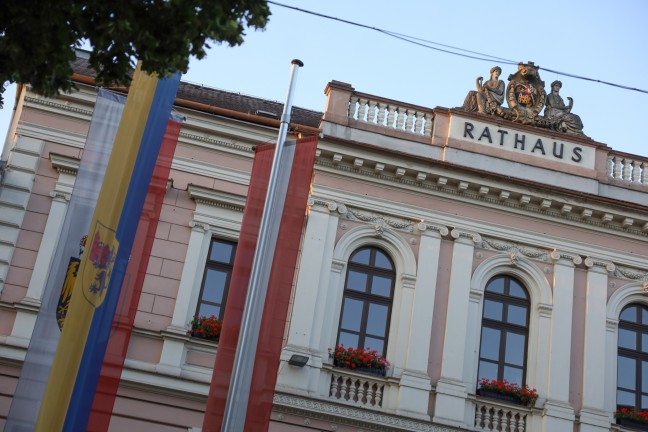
(491, 416)
(628, 169)
(391, 115)
(357, 389)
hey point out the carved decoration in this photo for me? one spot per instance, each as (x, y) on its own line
(526, 97)
(378, 220)
(628, 273)
(513, 248)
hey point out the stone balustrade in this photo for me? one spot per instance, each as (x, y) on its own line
(494, 416)
(390, 114)
(623, 167)
(361, 390)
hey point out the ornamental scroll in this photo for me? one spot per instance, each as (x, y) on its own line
(525, 96)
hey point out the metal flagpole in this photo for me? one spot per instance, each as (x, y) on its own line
(239, 389)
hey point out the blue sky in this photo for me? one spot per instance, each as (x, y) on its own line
(596, 39)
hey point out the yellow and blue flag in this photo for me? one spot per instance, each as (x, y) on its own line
(77, 364)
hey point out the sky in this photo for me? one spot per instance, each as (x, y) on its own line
(601, 40)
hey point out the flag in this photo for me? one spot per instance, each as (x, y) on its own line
(77, 363)
(275, 310)
(42, 346)
(122, 326)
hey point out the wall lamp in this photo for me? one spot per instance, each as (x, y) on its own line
(298, 360)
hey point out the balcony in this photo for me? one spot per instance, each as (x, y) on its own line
(358, 389)
(493, 415)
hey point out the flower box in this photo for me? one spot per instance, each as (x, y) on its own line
(507, 392)
(204, 327)
(632, 424)
(359, 360)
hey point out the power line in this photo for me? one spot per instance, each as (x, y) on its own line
(448, 49)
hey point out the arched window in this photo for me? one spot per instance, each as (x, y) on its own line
(504, 331)
(367, 302)
(632, 361)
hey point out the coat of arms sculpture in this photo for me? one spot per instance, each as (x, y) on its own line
(526, 97)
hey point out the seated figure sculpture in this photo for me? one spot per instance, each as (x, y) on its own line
(489, 95)
(559, 114)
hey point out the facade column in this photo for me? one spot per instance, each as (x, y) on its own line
(414, 389)
(27, 308)
(559, 415)
(304, 333)
(593, 416)
(451, 407)
(173, 350)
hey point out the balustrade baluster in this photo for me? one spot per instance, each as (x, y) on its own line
(353, 101)
(378, 395)
(478, 417)
(521, 426)
(391, 112)
(427, 130)
(334, 386)
(609, 167)
(381, 114)
(635, 171)
(618, 163)
(644, 173)
(352, 390)
(410, 120)
(371, 116)
(401, 118)
(362, 109)
(361, 394)
(344, 389)
(489, 419)
(627, 168)
(497, 420)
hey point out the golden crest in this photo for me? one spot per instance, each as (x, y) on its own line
(99, 263)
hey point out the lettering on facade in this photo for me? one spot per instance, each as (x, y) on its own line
(525, 143)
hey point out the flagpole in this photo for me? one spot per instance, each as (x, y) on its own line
(239, 389)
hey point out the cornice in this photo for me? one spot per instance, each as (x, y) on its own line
(65, 164)
(364, 419)
(52, 105)
(455, 185)
(216, 198)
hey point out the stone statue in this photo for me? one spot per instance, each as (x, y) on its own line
(559, 115)
(489, 95)
(525, 95)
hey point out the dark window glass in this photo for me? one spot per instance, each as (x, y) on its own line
(632, 359)
(216, 279)
(368, 295)
(505, 331)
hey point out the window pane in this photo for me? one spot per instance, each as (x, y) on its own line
(627, 339)
(375, 344)
(629, 314)
(625, 398)
(377, 319)
(515, 349)
(626, 373)
(487, 370)
(496, 286)
(644, 402)
(214, 286)
(348, 339)
(517, 315)
(352, 314)
(644, 315)
(221, 252)
(356, 281)
(490, 343)
(644, 343)
(361, 257)
(493, 310)
(516, 290)
(383, 261)
(209, 310)
(644, 377)
(381, 286)
(513, 375)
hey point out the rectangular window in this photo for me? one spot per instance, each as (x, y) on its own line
(216, 279)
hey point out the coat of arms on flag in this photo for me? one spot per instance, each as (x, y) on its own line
(99, 263)
(68, 285)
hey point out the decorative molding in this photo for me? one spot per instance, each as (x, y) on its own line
(59, 106)
(212, 171)
(215, 198)
(426, 226)
(321, 203)
(380, 221)
(65, 164)
(632, 274)
(200, 227)
(344, 415)
(611, 324)
(491, 243)
(60, 196)
(338, 265)
(504, 200)
(557, 256)
(220, 143)
(592, 263)
(458, 234)
(545, 310)
(408, 280)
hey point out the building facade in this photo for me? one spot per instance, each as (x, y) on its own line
(461, 245)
